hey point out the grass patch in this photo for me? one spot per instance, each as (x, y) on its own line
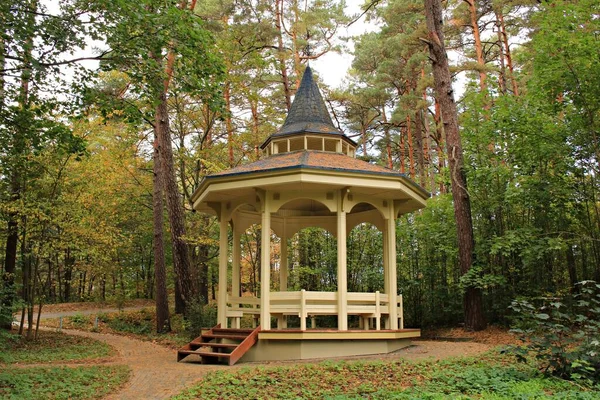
(51, 347)
(62, 382)
(491, 376)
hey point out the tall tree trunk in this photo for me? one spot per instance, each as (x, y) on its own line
(181, 260)
(228, 124)
(285, 80)
(478, 45)
(388, 139)
(440, 142)
(501, 58)
(421, 148)
(474, 317)
(12, 237)
(506, 51)
(255, 125)
(402, 152)
(163, 319)
(409, 140)
(184, 286)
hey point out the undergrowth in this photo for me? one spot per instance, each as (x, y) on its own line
(491, 376)
(50, 347)
(58, 383)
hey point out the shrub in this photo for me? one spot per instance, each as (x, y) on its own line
(79, 319)
(134, 322)
(8, 304)
(198, 316)
(562, 334)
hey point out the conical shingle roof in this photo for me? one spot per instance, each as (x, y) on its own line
(308, 111)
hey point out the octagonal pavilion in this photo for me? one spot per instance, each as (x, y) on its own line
(308, 177)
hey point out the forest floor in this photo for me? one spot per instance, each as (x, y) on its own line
(157, 375)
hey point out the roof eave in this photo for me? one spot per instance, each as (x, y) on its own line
(210, 179)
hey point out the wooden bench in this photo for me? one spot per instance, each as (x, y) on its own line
(238, 306)
(368, 306)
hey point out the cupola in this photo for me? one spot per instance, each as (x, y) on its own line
(308, 125)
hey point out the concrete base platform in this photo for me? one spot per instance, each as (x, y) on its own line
(279, 345)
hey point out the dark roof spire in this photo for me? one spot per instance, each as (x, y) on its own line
(308, 112)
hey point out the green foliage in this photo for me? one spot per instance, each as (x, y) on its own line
(563, 335)
(199, 316)
(140, 323)
(490, 377)
(8, 295)
(50, 347)
(40, 383)
(79, 320)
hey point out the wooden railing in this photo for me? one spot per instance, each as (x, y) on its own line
(370, 307)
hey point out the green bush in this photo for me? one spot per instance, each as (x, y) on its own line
(138, 323)
(563, 335)
(79, 320)
(8, 304)
(198, 316)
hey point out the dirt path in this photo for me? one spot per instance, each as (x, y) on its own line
(156, 374)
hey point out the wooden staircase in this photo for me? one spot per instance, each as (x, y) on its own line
(220, 344)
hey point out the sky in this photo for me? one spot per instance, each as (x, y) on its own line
(332, 67)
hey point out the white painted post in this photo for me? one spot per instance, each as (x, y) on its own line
(303, 314)
(283, 273)
(223, 250)
(265, 265)
(342, 274)
(283, 265)
(235, 268)
(392, 288)
(377, 310)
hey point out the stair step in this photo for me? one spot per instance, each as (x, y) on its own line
(215, 345)
(213, 354)
(223, 336)
(210, 352)
(232, 331)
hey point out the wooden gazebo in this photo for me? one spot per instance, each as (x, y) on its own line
(309, 177)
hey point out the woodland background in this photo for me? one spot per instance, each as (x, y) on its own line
(80, 176)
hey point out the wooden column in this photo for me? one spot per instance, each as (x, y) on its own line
(235, 267)
(392, 285)
(283, 272)
(223, 250)
(386, 259)
(265, 264)
(342, 274)
(386, 267)
(283, 265)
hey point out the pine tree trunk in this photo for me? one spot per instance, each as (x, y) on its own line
(181, 261)
(12, 237)
(228, 125)
(421, 148)
(474, 318)
(281, 54)
(163, 319)
(409, 139)
(507, 53)
(478, 46)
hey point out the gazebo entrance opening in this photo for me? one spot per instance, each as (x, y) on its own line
(301, 302)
